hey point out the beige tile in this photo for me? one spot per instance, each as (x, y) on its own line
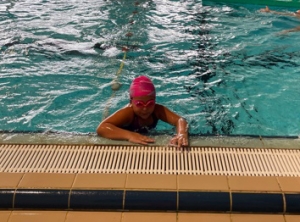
(10, 180)
(38, 216)
(289, 184)
(4, 215)
(203, 217)
(94, 181)
(292, 218)
(151, 181)
(93, 216)
(47, 180)
(256, 218)
(148, 217)
(242, 183)
(195, 182)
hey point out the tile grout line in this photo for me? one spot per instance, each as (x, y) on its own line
(14, 196)
(66, 217)
(124, 193)
(230, 194)
(70, 191)
(10, 213)
(283, 196)
(284, 203)
(13, 200)
(177, 194)
(122, 215)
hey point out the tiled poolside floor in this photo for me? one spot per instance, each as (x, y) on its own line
(149, 182)
(71, 216)
(152, 182)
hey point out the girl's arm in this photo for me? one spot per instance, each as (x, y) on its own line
(297, 29)
(166, 115)
(110, 127)
(266, 9)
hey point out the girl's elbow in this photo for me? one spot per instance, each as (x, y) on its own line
(104, 129)
(182, 121)
(99, 130)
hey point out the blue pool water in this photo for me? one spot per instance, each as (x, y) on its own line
(225, 68)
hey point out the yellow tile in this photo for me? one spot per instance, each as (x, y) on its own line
(256, 218)
(289, 184)
(47, 180)
(196, 182)
(203, 217)
(94, 181)
(10, 180)
(4, 215)
(151, 181)
(37, 216)
(292, 218)
(93, 216)
(243, 183)
(148, 217)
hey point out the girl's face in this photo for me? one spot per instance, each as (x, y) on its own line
(143, 106)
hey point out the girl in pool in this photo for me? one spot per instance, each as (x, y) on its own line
(140, 115)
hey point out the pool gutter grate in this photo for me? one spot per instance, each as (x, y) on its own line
(149, 160)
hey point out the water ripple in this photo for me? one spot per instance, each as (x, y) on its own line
(222, 67)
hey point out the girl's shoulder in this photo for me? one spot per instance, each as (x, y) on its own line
(165, 114)
(159, 106)
(121, 117)
(159, 110)
(127, 110)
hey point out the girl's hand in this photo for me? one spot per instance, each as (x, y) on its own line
(180, 140)
(140, 139)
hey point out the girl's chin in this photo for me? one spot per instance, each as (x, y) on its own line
(144, 116)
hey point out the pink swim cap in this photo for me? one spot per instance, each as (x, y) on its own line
(141, 86)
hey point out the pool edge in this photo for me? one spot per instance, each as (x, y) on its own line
(160, 140)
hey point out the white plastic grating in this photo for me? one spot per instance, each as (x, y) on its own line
(149, 160)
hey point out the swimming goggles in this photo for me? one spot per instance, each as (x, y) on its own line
(141, 104)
